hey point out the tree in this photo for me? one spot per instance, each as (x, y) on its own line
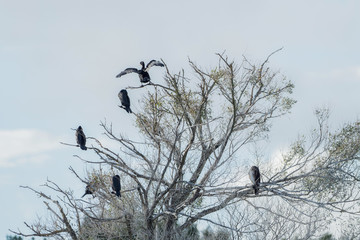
(327, 236)
(220, 234)
(13, 238)
(187, 167)
(18, 238)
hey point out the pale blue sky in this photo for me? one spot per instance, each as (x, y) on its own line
(58, 61)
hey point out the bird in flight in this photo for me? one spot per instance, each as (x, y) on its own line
(125, 100)
(254, 175)
(81, 138)
(143, 72)
(88, 190)
(116, 186)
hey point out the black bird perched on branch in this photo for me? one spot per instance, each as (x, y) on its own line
(88, 190)
(125, 100)
(254, 175)
(143, 72)
(116, 186)
(81, 138)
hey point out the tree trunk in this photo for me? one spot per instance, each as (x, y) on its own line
(169, 228)
(128, 220)
(150, 228)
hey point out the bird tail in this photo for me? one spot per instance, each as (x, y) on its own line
(128, 109)
(117, 193)
(83, 195)
(83, 147)
(256, 189)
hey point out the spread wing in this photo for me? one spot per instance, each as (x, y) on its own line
(153, 63)
(126, 71)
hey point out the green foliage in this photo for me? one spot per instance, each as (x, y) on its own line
(208, 233)
(220, 234)
(13, 238)
(327, 236)
(339, 166)
(346, 143)
(192, 233)
(297, 151)
(18, 238)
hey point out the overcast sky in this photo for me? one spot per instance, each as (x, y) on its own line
(59, 59)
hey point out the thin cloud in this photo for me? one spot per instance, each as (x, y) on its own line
(357, 69)
(345, 75)
(23, 146)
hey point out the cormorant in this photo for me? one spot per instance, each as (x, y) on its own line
(81, 138)
(254, 175)
(143, 72)
(116, 186)
(125, 100)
